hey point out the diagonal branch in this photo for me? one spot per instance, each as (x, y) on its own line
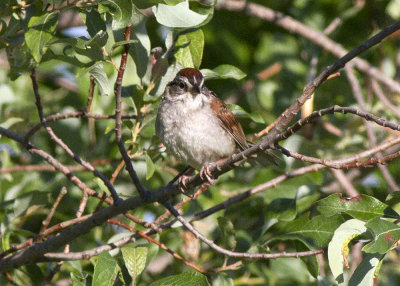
(314, 36)
(272, 137)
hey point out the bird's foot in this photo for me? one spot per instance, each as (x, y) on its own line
(205, 174)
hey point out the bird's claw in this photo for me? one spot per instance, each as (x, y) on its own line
(205, 174)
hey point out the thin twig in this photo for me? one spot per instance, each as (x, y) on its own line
(379, 93)
(272, 137)
(118, 119)
(160, 244)
(73, 114)
(90, 96)
(314, 36)
(64, 146)
(298, 172)
(355, 86)
(229, 253)
(345, 183)
(49, 168)
(46, 222)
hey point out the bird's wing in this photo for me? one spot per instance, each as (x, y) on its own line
(229, 122)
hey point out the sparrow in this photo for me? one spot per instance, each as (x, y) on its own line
(197, 127)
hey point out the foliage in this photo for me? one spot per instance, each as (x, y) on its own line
(257, 67)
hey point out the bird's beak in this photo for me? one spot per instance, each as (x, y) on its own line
(197, 88)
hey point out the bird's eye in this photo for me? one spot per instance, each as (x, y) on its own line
(182, 85)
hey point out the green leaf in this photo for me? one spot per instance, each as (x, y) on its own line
(23, 202)
(94, 23)
(105, 85)
(105, 271)
(40, 32)
(120, 10)
(361, 207)
(364, 275)
(241, 113)
(78, 279)
(314, 233)
(223, 71)
(140, 52)
(386, 235)
(143, 4)
(11, 121)
(393, 198)
(183, 279)
(178, 16)
(135, 259)
(228, 233)
(99, 40)
(311, 262)
(338, 248)
(190, 49)
(283, 209)
(150, 167)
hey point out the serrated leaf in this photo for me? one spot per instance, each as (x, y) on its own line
(361, 207)
(364, 275)
(105, 271)
(338, 249)
(105, 86)
(190, 49)
(150, 167)
(178, 16)
(135, 259)
(223, 71)
(40, 32)
(228, 233)
(241, 113)
(121, 11)
(386, 236)
(314, 233)
(183, 279)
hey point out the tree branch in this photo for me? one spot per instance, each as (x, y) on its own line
(317, 37)
(229, 253)
(118, 122)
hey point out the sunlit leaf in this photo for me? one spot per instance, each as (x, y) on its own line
(135, 259)
(223, 71)
(385, 233)
(41, 31)
(121, 11)
(338, 249)
(314, 233)
(178, 16)
(105, 271)
(365, 273)
(190, 49)
(360, 207)
(183, 279)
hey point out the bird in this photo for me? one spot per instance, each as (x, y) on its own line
(197, 127)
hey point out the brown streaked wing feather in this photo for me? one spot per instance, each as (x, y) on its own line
(228, 121)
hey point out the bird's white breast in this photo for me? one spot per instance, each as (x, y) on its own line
(192, 133)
